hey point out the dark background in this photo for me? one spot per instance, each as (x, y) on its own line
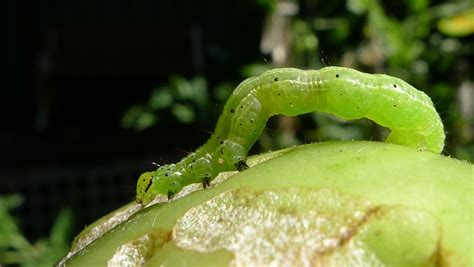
(74, 67)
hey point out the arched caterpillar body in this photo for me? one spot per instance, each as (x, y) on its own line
(344, 92)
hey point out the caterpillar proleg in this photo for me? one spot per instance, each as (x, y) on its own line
(344, 92)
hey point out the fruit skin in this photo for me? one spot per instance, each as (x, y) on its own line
(383, 174)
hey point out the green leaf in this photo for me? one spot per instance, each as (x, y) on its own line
(200, 91)
(139, 118)
(358, 6)
(183, 112)
(61, 228)
(182, 88)
(459, 25)
(15, 248)
(160, 98)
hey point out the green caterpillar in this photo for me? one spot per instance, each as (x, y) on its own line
(344, 92)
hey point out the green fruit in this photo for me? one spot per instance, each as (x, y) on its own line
(325, 204)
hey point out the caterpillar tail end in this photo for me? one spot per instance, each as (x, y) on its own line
(433, 142)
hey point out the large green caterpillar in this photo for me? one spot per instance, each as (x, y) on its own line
(344, 92)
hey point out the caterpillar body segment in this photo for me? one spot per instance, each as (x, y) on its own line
(344, 92)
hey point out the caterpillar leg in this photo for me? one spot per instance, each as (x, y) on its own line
(234, 154)
(206, 182)
(241, 165)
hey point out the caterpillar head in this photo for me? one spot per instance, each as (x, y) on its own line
(163, 181)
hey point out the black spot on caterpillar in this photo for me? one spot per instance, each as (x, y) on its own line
(344, 92)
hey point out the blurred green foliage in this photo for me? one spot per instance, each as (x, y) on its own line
(424, 42)
(15, 249)
(186, 101)
(459, 25)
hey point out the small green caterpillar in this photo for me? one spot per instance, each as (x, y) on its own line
(344, 92)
